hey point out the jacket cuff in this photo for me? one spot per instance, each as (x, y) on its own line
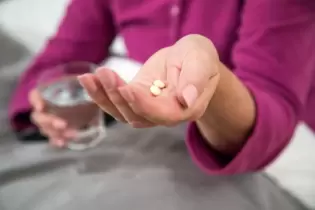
(268, 138)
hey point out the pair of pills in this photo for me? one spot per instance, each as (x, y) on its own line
(156, 87)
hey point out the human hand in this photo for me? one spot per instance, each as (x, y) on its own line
(49, 125)
(190, 70)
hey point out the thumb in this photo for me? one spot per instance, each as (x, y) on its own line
(196, 71)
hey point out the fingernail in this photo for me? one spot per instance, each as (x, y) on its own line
(59, 124)
(87, 82)
(190, 95)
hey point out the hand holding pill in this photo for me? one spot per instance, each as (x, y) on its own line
(174, 85)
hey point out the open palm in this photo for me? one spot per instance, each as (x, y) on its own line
(178, 102)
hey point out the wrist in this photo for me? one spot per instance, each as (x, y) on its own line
(229, 117)
(218, 140)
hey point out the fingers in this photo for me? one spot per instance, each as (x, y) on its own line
(165, 109)
(54, 128)
(103, 89)
(96, 91)
(35, 100)
(47, 120)
(111, 81)
(51, 126)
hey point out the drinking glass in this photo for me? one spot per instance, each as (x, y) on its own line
(67, 99)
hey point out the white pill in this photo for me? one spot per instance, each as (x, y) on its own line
(155, 90)
(159, 84)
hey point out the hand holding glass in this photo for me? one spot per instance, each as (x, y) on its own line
(65, 98)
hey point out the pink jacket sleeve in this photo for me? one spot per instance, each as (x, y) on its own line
(85, 34)
(275, 59)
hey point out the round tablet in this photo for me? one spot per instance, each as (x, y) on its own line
(155, 90)
(159, 84)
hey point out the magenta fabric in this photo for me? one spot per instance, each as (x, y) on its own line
(270, 46)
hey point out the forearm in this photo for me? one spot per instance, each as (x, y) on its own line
(254, 127)
(230, 115)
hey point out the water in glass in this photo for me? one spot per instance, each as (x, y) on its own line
(67, 99)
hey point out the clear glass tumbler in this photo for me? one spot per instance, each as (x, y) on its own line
(67, 99)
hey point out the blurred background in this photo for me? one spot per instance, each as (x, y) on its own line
(25, 25)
